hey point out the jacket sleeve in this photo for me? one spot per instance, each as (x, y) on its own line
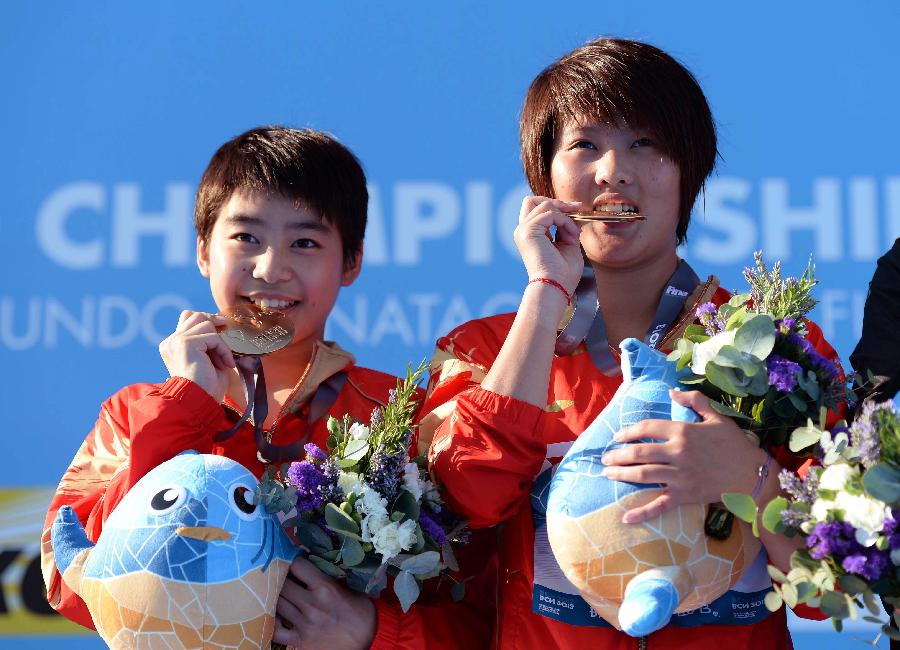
(878, 349)
(485, 448)
(138, 428)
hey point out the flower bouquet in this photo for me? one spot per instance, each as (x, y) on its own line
(363, 509)
(848, 512)
(750, 357)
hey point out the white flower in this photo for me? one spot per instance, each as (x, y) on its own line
(820, 509)
(351, 482)
(411, 482)
(359, 431)
(706, 351)
(370, 503)
(865, 514)
(393, 538)
(835, 476)
(371, 525)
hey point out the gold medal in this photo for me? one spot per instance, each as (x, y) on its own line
(609, 217)
(253, 331)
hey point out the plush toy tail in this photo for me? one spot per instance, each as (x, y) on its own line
(68, 538)
(651, 598)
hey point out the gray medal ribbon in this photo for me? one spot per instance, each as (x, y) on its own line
(587, 322)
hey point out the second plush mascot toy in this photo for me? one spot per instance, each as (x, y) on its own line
(636, 576)
(186, 559)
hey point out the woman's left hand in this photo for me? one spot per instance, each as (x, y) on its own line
(316, 611)
(696, 461)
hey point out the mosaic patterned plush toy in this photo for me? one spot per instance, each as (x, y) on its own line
(636, 576)
(185, 560)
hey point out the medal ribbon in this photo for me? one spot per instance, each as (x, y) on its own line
(587, 322)
(251, 371)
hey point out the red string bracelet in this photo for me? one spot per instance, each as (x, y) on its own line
(554, 283)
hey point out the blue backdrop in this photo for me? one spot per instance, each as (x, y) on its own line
(112, 111)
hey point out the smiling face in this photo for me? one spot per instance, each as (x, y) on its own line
(266, 250)
(619, 169)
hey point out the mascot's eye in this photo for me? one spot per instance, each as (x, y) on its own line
(243, 499)
(167, 500)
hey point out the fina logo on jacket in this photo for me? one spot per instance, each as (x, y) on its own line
(672, 291)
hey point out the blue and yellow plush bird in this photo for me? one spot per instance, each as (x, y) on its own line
(636, 576)
(185, 560)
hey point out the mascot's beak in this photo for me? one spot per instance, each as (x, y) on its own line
(204, 533)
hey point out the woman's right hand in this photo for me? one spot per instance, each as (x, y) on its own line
(195, 351)
(559, 260)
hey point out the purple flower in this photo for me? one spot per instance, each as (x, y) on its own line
(803, 490)
(786, 325)
(314, 453)
(782, 373)
(431, 528)
(854, 563)
(815, 359)
(832, 538)
(869, 564)
(307, 477)
(864, 432)
(707, 309)
(708, 315)
(376, 419)
(329, 489)
(386, 470)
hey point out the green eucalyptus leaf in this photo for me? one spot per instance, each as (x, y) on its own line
(407, 505)
(882, 481)
(803, 437)
(789, 594)
(742, 505)
(351, 552)
(695, 333)
(796, 402)
(852, 584)
(771, 517)
(421, 564)
(805, 591)
(458, 591)
(340, 522)
(356, 450)
(759, 384)
(407, 589)
(739, 299)
(730, 357)
(773, 601)
(331, 556)
(728, 411)
(724, 379)
(871, 603)
(834, 604)
(776, 574)
(326, 567)
(756, 336)
(313, 537)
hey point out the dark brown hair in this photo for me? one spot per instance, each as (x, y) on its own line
(621, 81)
(306, 166)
